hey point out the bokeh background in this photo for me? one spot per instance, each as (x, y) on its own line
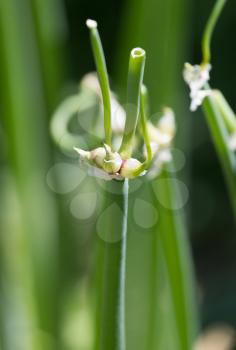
(47, 263)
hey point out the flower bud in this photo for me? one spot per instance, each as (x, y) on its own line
(84, 155)
(112, 161)
(113, 165)
(130, 167)
(98, 155)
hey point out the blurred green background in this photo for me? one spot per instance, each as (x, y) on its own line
(47, 255)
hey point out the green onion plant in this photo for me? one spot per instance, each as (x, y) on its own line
(118, 167)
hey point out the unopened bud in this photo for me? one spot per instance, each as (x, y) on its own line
(98, 155)
(130, 167)
(84, 155)
(112, 161)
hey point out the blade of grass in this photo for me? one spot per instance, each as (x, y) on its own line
(226, 111)
(51, 32)
(178, 261)
(24, 115)
(220, 138)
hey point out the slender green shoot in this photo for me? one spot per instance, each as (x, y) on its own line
(143, 116)
(135, 78)
(144, 107)
(122, 308)
(206, 41)
(226, 111)
(102, 75)
(220, 138)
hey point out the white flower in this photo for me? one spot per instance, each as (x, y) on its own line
(197, 98)
(196, 77)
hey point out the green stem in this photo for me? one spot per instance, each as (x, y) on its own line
(206, 41)
(176, 250)
(103, 77)
(226, 111)
(110, 325)
(143, 119)
(143, 115)
(62, 117)
(220, 138)
(122, 308)
(135, 78)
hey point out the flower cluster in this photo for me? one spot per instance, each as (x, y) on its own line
(197, 77)
(104, 163)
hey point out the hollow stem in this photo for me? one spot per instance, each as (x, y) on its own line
(207, 35)
(220, 139)
(135, 78)
(110, 325)
(103, 77)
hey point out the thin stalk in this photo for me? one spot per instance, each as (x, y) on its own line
(171, 20)
(206, 41)
(103, 77)
(121, 311)
(177, 255)
(143, 121)
(135, 78)
(110, 325)
(220, 137)
(143, 116)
